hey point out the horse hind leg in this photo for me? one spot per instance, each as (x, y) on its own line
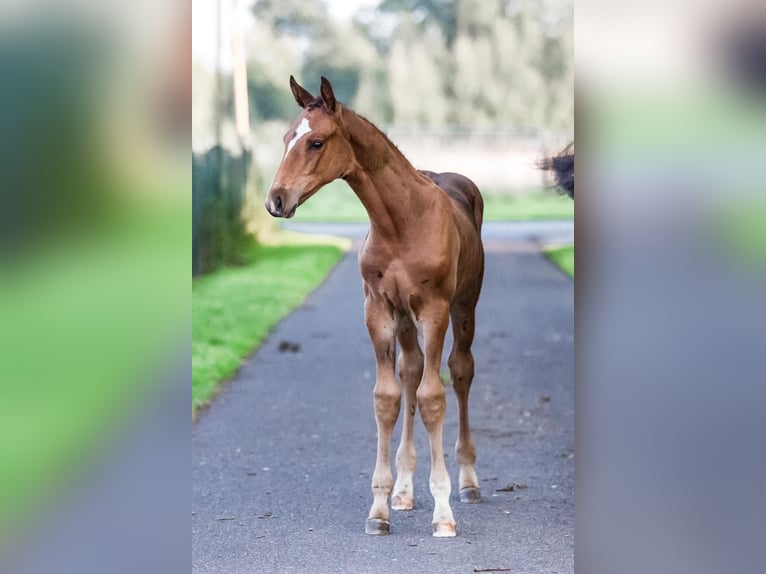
(461, 366)
(410, 372)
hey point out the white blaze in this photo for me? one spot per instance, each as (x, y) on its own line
(303, 129)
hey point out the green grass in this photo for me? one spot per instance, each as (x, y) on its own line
(337, 203)
(527, 206)
(563, 257)
(234, 309)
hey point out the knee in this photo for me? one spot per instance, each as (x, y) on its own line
(387, 402)
(461, 367)
(432, 404)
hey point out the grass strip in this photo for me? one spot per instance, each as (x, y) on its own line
(563, 257)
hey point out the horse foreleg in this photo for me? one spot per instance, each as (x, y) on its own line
(410, 373)
(387, 399)
(433, 406)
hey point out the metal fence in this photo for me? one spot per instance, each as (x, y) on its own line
(218, 197)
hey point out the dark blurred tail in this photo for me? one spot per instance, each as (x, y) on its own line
(562, 166)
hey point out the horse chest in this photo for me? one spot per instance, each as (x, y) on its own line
(401, 286)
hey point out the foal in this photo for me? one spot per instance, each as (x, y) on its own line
(422, 264)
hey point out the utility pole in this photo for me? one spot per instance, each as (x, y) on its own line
(218, 103)
(241, 103)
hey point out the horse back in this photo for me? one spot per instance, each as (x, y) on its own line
(463, 191)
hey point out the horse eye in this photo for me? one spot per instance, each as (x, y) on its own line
(316, 144)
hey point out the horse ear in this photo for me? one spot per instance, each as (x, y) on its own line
(301, 94)
(328, 97)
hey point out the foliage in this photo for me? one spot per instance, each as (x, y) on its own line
(331, 57)
(267, 99)
(233, 309)
(425, 62)
(441, 14)
(415, 84)
(296, 18)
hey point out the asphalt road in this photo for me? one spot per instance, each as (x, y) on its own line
(282, 460)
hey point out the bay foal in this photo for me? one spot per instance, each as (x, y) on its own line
(422, 264)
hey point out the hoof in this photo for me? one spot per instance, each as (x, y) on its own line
(470, 495)
(401, 502)
(377, 527)
(444, 530)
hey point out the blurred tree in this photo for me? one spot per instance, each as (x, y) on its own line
(203, 106)
(295, 18)
(477, 62)
(416, 88)
(521, 52)
(324, 48)
(422, 62)
(474, 18)
(271, 60)
(425, 13)
(495, 81)
(471, 80)
(341, 55)
(519, 92)
(373, 97)
(556, 66)
(268, 101)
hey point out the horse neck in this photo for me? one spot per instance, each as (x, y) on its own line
(386, 183)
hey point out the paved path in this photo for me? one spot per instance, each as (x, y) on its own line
(282, 460)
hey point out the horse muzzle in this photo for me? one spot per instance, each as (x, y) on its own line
(279, 205)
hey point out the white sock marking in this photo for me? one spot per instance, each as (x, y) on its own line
(303, 129)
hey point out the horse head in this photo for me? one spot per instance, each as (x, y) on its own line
(317, 151)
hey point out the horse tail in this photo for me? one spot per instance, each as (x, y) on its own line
(562, 166)
(478, 209)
